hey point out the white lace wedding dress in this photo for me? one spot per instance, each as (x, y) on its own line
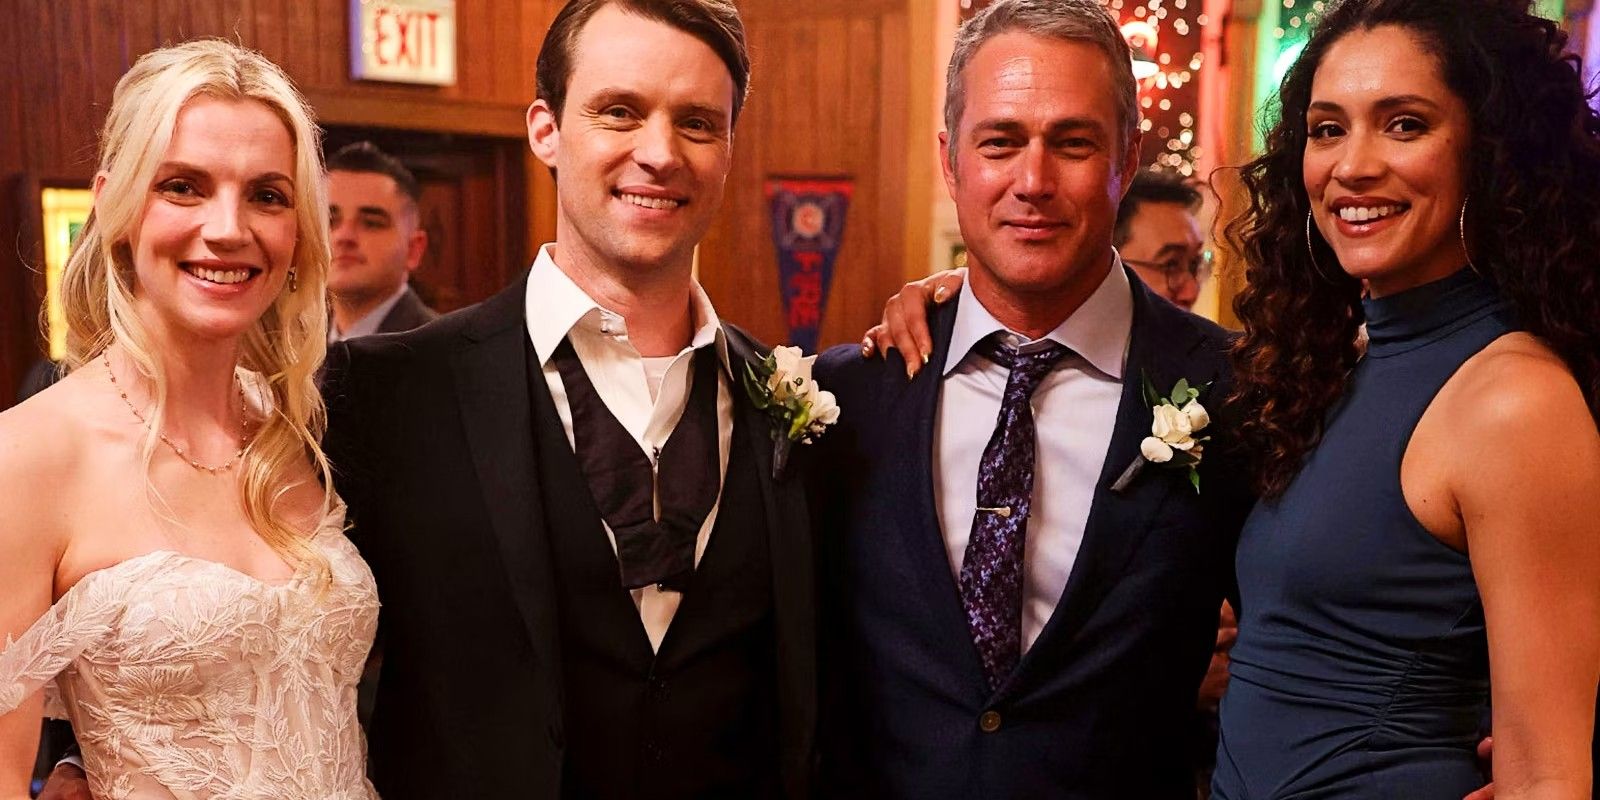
(187, 679)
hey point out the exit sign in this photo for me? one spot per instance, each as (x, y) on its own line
(405, 41)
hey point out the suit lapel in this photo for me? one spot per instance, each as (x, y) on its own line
(493, 382)
(911, 419)
(1119, 521)
(791, 552)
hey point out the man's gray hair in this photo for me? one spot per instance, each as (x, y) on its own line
(1068, 20)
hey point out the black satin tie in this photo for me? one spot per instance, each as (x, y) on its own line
(685, 478)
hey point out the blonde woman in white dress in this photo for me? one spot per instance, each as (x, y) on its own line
(176, 580)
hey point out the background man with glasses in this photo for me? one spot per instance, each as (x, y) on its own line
(1160, 238)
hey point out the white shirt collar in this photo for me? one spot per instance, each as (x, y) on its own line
(367, 325)
(555, 305)
(1099, 330)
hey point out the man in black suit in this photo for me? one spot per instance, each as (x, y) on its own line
(594, 583)
(1013, 612)
(378, 241)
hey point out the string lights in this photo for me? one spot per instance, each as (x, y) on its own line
(1165, 38)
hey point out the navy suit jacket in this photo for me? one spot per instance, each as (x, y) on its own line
(1100, 705)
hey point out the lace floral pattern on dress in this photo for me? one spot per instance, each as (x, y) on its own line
(186, 678)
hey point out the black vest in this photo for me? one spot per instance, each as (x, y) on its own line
(698, 718)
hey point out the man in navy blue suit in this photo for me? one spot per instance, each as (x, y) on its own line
(1011, 612)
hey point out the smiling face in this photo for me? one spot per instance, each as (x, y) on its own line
(1385, 160)
(217, 234)
(643, 145)
(1039, 167)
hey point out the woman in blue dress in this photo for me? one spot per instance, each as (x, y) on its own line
(1429, 530)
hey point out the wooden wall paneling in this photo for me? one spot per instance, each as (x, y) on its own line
(857, 294)
(236, 22)
(332, 43)
(17, 342)
(800, 121)
(41, 119)
(12, 149)
(172, 24)
(541, 202)
(372, 109)
(513, 53)
(267, 31)
(75, 91)
(827, 89)
(205, 19)
(108, 52)
(511, 212)
(11, 125)
(893, 128)
(484, 263)
(474, 76)
(300, 56)
(24, 295)
(141, 33)
(443, 268)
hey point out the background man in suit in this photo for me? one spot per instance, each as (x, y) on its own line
(1006, 624)
(593, 583)
(377, 240)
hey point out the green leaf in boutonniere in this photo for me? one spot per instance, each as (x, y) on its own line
(1174, 441)
(781, 386)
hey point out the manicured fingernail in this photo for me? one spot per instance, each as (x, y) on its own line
(940, 294)
(926, 356)
(866, 348)
(911, 372)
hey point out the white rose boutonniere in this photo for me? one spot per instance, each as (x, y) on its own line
(1176, 420)
(782, 386)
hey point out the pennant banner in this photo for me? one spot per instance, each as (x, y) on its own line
(807, 228)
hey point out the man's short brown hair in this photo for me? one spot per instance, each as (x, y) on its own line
(715, 22)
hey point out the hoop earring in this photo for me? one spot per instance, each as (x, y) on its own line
(1311, 251)
(294, 280)
(1461, 227)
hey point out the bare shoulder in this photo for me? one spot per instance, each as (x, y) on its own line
(1519, 432)
(1517, 387)
(43, 443)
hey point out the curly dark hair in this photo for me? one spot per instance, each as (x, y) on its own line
(1533, 222)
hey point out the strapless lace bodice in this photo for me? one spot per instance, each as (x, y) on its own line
(184, 678)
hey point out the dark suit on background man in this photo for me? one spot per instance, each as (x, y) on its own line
(449, 454)
(1098, 705)
(408, 312)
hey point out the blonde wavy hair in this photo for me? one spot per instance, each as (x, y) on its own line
(287, 344)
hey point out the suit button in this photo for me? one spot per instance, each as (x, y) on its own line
(657, 689)
(989, 721)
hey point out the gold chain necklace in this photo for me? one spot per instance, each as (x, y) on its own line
(244, 436)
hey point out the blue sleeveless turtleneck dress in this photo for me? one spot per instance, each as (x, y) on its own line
(1361, 668)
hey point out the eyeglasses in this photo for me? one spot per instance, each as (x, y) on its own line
(1178, 271)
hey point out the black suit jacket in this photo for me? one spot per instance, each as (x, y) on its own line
(1100, 704)
(431, 436)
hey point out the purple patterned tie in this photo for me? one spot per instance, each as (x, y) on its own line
(991, 574)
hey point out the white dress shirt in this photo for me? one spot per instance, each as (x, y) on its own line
(367, 325)
(645, 398)
(1074, 411)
